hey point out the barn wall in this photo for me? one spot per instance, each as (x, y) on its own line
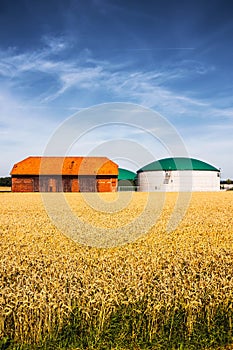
(64, 184)
(87, 183)
(179, 181)
(22, 184)
(106, 184)
(50, 183)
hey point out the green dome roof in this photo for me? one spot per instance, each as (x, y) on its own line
(178, 163)
(125, 174)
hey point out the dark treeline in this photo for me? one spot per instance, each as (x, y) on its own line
(226, 182)
(5, 181)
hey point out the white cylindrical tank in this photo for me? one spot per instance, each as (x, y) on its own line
(178, 175)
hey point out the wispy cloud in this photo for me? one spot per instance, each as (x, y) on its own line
(160, 48)
(63, 73)
(85, 72)
(56, 44)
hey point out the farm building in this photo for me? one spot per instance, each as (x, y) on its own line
(65, 174)
(178, 175)
(126, 180)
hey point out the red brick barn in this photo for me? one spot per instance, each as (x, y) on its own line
(65, 174)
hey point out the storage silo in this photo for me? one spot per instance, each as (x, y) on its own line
(126, 180)
(178, 174)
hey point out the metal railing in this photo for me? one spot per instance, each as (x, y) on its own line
(128, 188)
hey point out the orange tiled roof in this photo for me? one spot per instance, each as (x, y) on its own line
(65, 166)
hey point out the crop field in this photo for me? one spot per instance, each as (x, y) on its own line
(5, 189)
(160, 290)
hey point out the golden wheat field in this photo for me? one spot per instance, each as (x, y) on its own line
(5, 189)
(156, 286)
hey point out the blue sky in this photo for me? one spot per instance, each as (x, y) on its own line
(60, 57)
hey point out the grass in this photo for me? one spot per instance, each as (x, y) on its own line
(163, 291)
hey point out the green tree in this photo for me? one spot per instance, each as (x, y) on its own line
(229, 181)
(5, 181)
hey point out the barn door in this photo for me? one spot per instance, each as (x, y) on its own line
(66, 185)
(87, 183)
(36, 184)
